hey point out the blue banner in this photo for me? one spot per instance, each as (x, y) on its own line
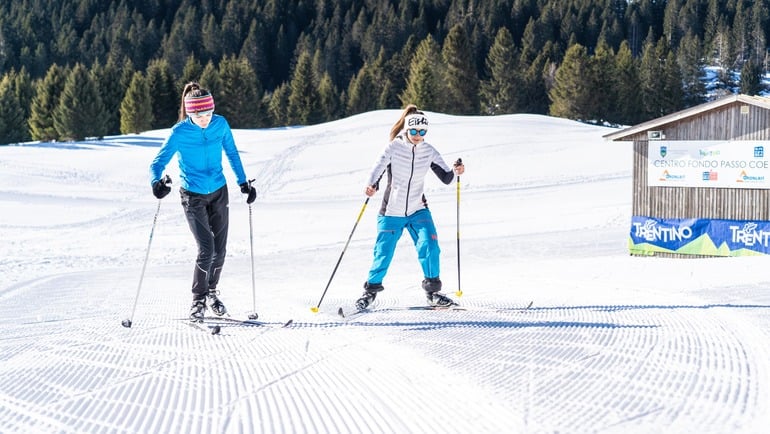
(712, 237)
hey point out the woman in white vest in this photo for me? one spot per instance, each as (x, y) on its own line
(406, 160)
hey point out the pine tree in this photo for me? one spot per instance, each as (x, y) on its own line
(570, 95)
(331, 105)
(46, 99)
(278, 105)
(382, 71)
(711, 27)
(192, 72)
(127, 74)
(660, 81)
(760, 21)
(304, 101)
(211, 80)
(533, 40)
(672, 83)
(136, 107)
(78, 113)
(424, 86)
(240, 95)
(23, 92)
(254, 50)
(11, 112)
(628, 95)
(650, 75)
(163, 90)
(108, 80)
(500, 93)
(396, 70)
(751, 78)
(212, 37)
(183, 38)
(602, 85)
(690, 60)
(537, 79)
(363, 93)
(461, 77)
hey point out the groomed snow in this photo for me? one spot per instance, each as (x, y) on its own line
(612, 343)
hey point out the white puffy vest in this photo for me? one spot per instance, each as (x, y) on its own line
(407, 165)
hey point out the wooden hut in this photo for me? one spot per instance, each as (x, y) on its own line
(701, 180)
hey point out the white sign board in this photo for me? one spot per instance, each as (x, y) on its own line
(711, 163)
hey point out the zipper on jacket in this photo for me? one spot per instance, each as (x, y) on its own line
(409, 184)
(206, 155)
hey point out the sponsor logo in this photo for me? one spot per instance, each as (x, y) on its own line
(417, 121)
(744, 177)
(668, 176)
(651, 231)
(748, 235)
(710, 176)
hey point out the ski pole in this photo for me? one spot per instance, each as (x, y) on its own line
(315, 308)
(459, 292)
(129, 321)
(253, 315)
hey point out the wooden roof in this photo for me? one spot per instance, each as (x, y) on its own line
(653, 124)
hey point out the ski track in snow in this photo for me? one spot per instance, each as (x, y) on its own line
(555, 367)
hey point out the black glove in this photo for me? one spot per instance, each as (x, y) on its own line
(458, 162)
(160, 189)
(246, 188)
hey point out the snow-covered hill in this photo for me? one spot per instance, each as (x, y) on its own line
(612, 343)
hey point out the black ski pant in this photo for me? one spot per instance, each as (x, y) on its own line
(208, 216)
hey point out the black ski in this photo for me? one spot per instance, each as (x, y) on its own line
(356, 312)
(457, 306)
(352, 313)
(248, 322)
(450, 307)
(200, 325)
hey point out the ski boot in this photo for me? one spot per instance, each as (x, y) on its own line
(197, 310)
(215, 303)
(432, 286)
(370, 293)
(436, 299)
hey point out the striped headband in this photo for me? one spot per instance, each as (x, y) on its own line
(193, 104)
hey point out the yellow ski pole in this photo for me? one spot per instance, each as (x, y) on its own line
(459, 292)
(314, 309)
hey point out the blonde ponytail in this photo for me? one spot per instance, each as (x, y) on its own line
(399, 125)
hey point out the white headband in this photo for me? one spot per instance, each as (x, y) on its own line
(416, 120)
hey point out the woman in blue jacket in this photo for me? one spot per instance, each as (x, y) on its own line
(198, 140)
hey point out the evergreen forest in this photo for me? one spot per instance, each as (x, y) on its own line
(76, 69)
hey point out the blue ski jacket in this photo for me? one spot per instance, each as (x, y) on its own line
(199, 153)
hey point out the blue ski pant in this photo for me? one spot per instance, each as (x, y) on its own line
(423, 232)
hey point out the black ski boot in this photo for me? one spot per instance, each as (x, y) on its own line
(215, 303)
(370, 293)
(432, 286)
(197, 310)
(436, 299)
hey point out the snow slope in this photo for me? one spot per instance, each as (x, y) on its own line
(612, 343)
